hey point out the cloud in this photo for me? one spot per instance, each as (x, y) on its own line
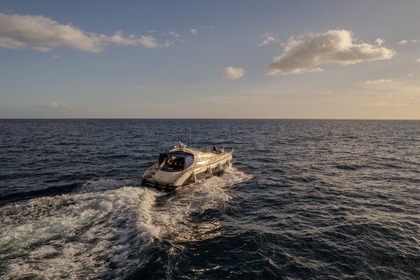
(308, 52)
(233, 73)
(418, 61)
(379, 42)
(194, 31)
(45, 34)
(406, 42)
(176, 35)
(379, 81)
(56, 105)
(119, 40)
(269, 38)
(146, 41)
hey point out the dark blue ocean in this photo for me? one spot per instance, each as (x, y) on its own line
(304, 199)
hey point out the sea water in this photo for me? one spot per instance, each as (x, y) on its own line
(304, 199)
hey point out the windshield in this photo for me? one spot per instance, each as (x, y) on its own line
(175, 161)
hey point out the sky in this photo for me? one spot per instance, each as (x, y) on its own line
(313, 59)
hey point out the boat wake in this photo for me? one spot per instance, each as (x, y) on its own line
(179, 213)
(106, 228)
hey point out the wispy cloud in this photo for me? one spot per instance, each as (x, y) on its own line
(176, 35)
(384, 93)
(194, 31)
(418, 61)
(379, 81)
(391, 93)
(44, 34)
(233, 73)
(269, 38)
(119, 40)
(55, 105)
(306, 53)
(408, 42)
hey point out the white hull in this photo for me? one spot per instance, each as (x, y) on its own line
(182, 166)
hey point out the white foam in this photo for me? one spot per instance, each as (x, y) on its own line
(78, 234)
(96, 231)
(213, 193)
(103, 185)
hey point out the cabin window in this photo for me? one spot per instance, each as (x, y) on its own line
(175, 161)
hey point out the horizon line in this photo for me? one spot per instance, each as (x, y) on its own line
(182, 118)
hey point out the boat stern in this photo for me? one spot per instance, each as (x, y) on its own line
(166, 178)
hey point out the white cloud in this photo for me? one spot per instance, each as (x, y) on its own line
(56, 105)
(308, 52)
(119, 40)
(418, 61)
(233, 73)
(269, 38)
(406, 42)
(45, 34)
(176, 35)
(379, 42)
(379, 81)
(147, 41)
(194, 31)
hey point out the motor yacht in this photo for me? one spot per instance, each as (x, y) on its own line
(182, 166)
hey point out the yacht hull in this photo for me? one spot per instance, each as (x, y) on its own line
(182, 166)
